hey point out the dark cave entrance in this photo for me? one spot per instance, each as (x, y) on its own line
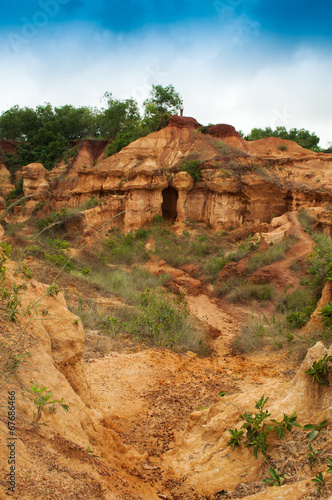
(169, 204)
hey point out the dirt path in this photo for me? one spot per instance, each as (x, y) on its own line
(281, 273)
(207, 311)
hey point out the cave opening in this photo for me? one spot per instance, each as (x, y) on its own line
(289, 201)
(169, 204)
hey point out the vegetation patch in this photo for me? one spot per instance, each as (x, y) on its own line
(193, 168)
(275, 253)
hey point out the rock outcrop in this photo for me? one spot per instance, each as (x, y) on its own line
(35, 181)
(202, 458)
(5, 182)
(53, 337)
(238, 183)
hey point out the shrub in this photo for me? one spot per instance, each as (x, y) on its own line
(326, 312)
(92, 202)
(257, 428)
(17, 192)
(122, 140)
(127, 249)
(320, 264)
(215, 265)
(57, 221)
(35, 250)
(58, 243)
(319, 370)
(70, 156)
(193, 168)
(306, 220)
(204, 129)
(41, 399)
(164, 324)
(249, 245)
(59, 259)
(39, 206)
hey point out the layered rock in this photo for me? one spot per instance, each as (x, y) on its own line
(35, 181)
(238, 183)
(202, 458)
(54, 337)
(5, 182)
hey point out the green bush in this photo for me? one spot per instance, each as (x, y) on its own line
(91, 203)
(59, 259)
(326, 312)
(320, 269)
(58, 243)
(17, 192)
(193, 168)
(164, 324)
(306, 221)
(70, 156)
(319, 370)
(297, 319)
(298, 306)
(127, 249)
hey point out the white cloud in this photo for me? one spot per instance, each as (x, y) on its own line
(225, 75)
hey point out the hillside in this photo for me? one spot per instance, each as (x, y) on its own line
(164, 293)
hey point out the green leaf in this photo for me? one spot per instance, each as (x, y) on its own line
(313, 435)
(329, 470)
(273, 473)
(280, 432)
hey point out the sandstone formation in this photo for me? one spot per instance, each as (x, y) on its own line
(201, 454)
(53, 337)
(5, 183)
(35, 181)
(242, 183)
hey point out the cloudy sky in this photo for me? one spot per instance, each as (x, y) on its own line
(249, 63)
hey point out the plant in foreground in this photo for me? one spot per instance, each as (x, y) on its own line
(256, 428)
(319, 370)
(313, 455)
(41, 397)
(92, 453)
(276, 478)
(326, 312)
(329, 470)
(287, 423)
(316, 428)
(236, 435)
(319, 480)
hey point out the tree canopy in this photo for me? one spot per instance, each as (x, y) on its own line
(304, 138)
(163, 103)
(44, 133)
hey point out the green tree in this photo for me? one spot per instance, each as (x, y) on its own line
(164, 102)
(120, 116)
(306, 139)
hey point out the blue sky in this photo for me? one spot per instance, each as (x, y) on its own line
(243, 62)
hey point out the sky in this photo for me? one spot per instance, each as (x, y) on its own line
(248, 63)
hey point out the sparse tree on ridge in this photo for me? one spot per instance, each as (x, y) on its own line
(304, 138)
(164, 102)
